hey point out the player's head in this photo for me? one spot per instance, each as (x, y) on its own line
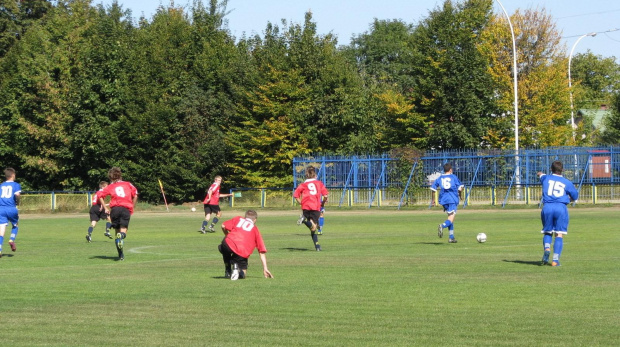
(557, 167)
(251, 214)
(9, 173)
(447, 167)
(115, 174)
(218, 179)
(103, 184)
(310, 172)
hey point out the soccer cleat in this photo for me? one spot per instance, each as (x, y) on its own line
(107, 234)
(318, 248)
(545, 258)
(452, 241)
(211, 230)
(13, 247)
(319, 232)
(235, 272)
(119, 242)
(88, 238)
(202, 231)
(555, 263)
(440, 231)
(300, 220)
(121, 256)
(227, 274)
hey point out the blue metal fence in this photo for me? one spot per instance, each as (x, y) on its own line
(508, 174)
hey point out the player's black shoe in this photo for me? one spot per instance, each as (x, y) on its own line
(545, 258)
(452, 241)
(211, 230)
(202, 231)
(88, 238)
(235, 272)
(107, 234)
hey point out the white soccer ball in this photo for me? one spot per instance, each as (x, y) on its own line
(193, 209)
(482, 237)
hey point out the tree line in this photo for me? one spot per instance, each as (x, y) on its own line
(176, 97)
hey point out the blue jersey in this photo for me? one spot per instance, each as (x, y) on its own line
(557, 189)
(449, 187)
(7, 193)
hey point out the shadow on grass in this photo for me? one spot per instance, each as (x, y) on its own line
(429, 243)
(524, 262)
(104, 257)
(8, 255)
(294, 249)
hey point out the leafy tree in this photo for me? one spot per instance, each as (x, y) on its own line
(611, 134)
(452, 86)
(543, 98)
(598, 78)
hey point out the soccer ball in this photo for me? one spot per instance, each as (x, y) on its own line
(482, 237)
(193, 209)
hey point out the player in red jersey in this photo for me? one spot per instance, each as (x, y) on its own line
(212, 205)
(124, 197)
(312, 195)
(242, 236)
(98, 212)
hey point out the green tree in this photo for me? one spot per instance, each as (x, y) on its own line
(597, 77)
(452, 86)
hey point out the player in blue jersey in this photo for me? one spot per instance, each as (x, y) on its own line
(9, 199)
(450, 190)
(557, 192)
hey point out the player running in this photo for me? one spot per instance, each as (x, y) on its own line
(124, 198)
(557, 193)
(98, 212)
(312, 195)
(9, 200)
(450, 192)
(242, 236)
(212, 205)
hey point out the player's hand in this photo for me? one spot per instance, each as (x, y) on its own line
(539, 174)
(267, 273)
(432, 203)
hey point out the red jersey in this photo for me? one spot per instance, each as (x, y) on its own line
(98, 195)
(243, 236)
(215, 195)
(311, 192)
(122, 194)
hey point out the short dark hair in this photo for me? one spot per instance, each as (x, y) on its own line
(447, 167)
(103, 184)
(310, 172)
(9, 172)
(557, 167)
(115, 174)
(251, 214)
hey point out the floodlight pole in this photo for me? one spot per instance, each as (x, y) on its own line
(516, 96)
(570, 85)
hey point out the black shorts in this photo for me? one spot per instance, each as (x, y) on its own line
(231, 257)
(120, 217)
(212, 208)
(97, 213)
(312, 215)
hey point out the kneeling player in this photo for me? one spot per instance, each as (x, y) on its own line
(242, 236)
(124, 197)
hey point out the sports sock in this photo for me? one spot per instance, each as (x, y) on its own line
(14, 233)
(107, 227)
(557, 248)
(321, 221)
(204, 224)
(1, 242)
(547, 242)
(308, 223)
(446, 224)
(123, 236)
(315, 239)
(90, 230)
(451, 230)
(215, 219)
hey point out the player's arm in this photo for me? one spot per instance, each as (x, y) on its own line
(103, 205)
(323, 200)
(134, 200)
(225, 195)
(461, 192)
(433, 196)
(17, 198)
(263, 259)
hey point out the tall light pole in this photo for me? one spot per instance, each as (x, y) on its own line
(570, 85)
(514, 74)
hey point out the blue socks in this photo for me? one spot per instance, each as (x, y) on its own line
(447, 224)
(215, 219)
(451, 230)
(13, 233)
(557, 248)
(315, 239)
(90, 230)
(108, 225)
(547, 242)
(1, 242)
(204, 224)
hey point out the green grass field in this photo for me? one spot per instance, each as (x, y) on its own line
(384, 278)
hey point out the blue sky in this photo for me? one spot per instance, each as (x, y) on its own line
(345, 18)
